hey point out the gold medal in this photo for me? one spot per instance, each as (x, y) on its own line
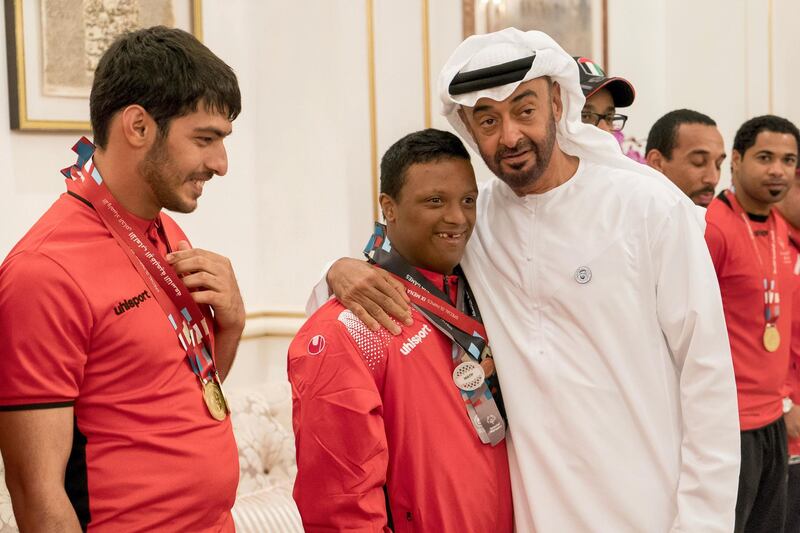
(772, 339)
(222, 393)
(215, 402)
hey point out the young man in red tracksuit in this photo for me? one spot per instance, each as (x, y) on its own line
(749, 246)
(405, 433)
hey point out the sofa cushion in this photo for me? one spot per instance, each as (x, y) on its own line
(266, 446)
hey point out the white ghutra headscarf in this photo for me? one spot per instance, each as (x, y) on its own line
(490, 50)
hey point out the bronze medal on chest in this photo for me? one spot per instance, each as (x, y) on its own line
(772, 339)
(215, 402)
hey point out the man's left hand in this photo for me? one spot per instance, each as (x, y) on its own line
(210, 278)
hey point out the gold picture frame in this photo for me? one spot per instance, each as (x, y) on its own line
(557, 18)
(19, 14)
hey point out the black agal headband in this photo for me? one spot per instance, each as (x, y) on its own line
(494, 76)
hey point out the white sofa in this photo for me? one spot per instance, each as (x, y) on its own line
(262, 425)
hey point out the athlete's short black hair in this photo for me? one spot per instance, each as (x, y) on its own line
(664, 132)
(168, 72)
(422, 146)
(747, 133)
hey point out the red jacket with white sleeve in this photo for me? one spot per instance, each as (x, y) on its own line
(383, 439)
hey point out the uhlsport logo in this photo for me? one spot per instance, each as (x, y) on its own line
(316, 345)
(131, 303)
(414, 340)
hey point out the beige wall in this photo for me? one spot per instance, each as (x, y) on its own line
(299, 187)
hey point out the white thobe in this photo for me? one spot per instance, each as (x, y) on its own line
(606, 323)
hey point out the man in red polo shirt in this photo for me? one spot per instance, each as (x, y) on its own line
(111, 415)
(750, 250)
(405, 433)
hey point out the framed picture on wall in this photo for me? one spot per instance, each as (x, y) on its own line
(53, 47)
(579, 26)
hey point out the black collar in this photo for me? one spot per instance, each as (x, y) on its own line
(81, 198)
(755, 218)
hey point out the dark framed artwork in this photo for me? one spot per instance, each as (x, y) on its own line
(579, 26)
(53, 46)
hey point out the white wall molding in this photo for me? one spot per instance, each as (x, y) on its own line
(269, 323)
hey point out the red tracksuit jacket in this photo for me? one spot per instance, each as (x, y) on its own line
(377, 419)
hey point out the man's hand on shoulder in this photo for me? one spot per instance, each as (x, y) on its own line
(372, 294)
(212, 281)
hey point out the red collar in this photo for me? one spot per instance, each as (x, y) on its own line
(438, 280)
(144, 226)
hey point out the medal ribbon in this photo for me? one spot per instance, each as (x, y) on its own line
(183, 313)
(484, 405)
(444, 310)
(772, 297)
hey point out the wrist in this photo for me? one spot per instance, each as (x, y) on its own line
(787, 405)
(330, 274)
(235, 325)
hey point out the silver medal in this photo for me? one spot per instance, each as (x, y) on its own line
(469, 376)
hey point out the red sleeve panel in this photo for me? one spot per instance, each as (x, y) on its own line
(342, 452)
(45, 323)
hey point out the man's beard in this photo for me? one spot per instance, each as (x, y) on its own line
(518, 179)
(160, 174)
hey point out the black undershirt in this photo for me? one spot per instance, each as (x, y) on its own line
(751, 216)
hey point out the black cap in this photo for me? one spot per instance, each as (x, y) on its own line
(593, 78)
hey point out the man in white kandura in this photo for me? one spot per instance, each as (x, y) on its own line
(600, 300)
